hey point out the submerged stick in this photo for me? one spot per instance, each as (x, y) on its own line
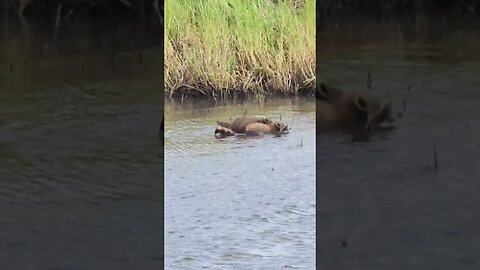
(435, 158)
(57, 19)
(69, 13)
(369, 80)
(23, 5)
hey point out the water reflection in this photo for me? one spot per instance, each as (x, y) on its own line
(384, 197)
(79, 151)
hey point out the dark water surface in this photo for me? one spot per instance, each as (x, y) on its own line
(239, 203)
(80, 166)
(382, 203)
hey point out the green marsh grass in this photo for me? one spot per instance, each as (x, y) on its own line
(220, 48)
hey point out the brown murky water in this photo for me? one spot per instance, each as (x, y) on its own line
(80, 158)
(382, 203)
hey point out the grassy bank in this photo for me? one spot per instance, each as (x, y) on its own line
(223, 48)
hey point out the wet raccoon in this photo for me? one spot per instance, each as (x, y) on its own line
(222, 132)
(256, 129)
(351, 112)
(240, 123)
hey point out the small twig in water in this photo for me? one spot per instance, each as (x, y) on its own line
(369, 80)
(57, 20)
(68, 15)
(23, 5)
(435, 158)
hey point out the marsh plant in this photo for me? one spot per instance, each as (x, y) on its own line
(258, 47)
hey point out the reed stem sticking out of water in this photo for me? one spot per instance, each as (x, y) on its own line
(369, 80)
(435, 158)
(57, 20)
(225, 47)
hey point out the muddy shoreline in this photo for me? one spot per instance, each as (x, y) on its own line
(213, 95)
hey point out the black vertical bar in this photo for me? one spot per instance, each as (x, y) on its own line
(317, 132)
(160, 10)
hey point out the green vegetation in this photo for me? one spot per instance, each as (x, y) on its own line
(223, 48)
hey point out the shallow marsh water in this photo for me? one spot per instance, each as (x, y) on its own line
(382, 204)
(80, 158)
(239, 203)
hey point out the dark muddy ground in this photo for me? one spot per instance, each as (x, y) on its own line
(80, 159)
(382, 204)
